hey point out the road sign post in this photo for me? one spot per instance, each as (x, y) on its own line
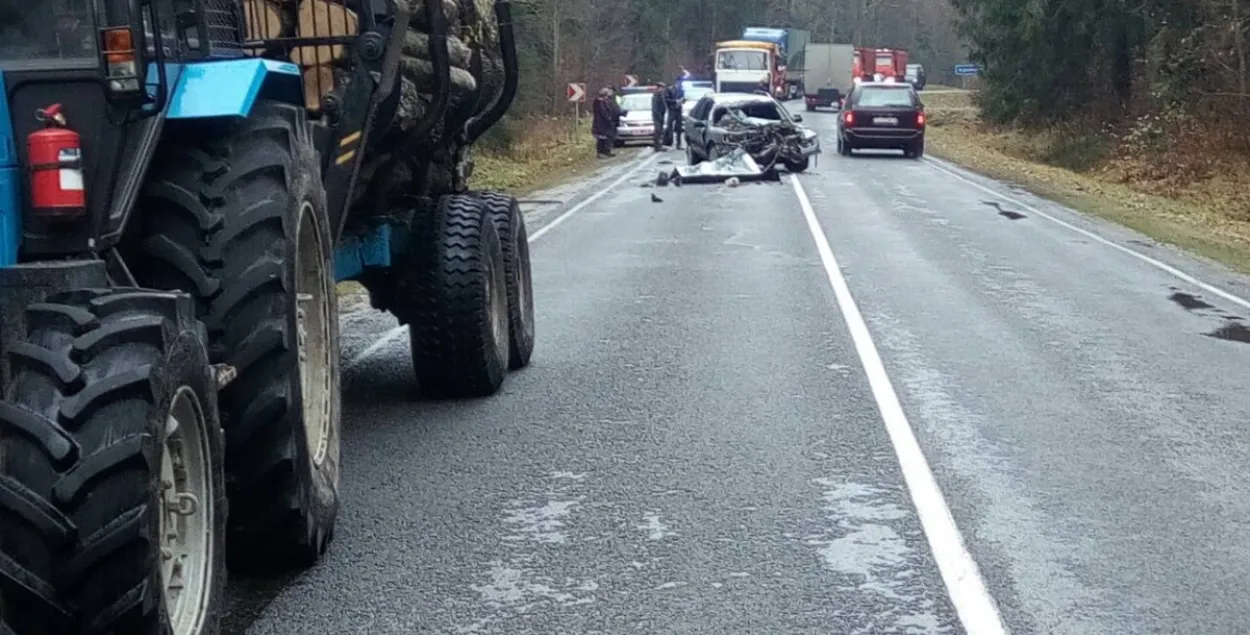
(577, 94)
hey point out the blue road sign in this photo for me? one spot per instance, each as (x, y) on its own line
(967, 70)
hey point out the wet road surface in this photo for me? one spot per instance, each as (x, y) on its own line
(707, 441)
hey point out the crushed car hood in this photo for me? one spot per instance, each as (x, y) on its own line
(767, 141)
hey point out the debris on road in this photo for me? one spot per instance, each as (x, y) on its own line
(737, 164)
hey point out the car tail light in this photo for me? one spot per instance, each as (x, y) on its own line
(848, 118)
(920, 120)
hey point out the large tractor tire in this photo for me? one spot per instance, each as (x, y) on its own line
(452, 292)
(505, 211)
(112, 498)
(239, 219)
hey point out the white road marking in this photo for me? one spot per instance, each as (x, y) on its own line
(372, 349)
(395, 333)
(977, 610)
(592, 198)
(1169, 269)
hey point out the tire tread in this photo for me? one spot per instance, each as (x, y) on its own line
(76, 509)
(225, 203)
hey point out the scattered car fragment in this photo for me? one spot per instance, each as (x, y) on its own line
(733, 168)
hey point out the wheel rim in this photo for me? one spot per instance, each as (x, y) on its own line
(187, 511)
(497, 296)
(524, 285)
(313, 333)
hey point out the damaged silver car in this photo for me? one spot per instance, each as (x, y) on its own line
(756, 124)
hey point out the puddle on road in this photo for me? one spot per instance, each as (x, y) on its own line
(1189, 302)
(869, 543)
(1005, 213)
(1233, 332)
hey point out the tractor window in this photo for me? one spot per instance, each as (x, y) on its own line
(47, 30)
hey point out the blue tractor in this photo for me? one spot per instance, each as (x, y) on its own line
(181, 190)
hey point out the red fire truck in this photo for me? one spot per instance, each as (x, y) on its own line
(890, 64)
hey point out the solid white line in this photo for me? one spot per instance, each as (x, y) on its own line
(373, 348)
(592, 198)
(396, 332)
(975, 607)
(1169, 269)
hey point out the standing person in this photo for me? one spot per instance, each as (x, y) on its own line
(617, 114)
(672, 101)
(659, 108)
(603, 123)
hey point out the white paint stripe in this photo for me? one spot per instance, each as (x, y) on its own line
(370, 350)
(975, 607)
(592, 198)
(1169, 269)
(395, 333)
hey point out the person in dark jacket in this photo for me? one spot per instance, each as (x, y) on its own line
(659, 108)
(672, 102)
(604, 121)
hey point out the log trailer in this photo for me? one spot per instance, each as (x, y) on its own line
(182, 185)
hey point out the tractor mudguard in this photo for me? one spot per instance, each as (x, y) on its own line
(230, 88)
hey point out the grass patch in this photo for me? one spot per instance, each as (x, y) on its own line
(1206, 212)
(520, 156)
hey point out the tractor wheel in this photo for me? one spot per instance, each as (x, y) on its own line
(452, 292)
(505, 211)
(239, 219)
(111, 485)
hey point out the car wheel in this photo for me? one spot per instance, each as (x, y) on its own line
(691, 159)
(917, 151)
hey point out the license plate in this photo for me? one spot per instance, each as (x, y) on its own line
(885, 121)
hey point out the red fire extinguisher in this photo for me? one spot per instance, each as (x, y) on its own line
(54, 155)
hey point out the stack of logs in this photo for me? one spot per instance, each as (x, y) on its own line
(273, 19)
(476, 79)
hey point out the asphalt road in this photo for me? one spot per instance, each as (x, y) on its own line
(892, 398)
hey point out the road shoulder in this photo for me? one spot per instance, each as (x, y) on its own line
(1204, 218)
